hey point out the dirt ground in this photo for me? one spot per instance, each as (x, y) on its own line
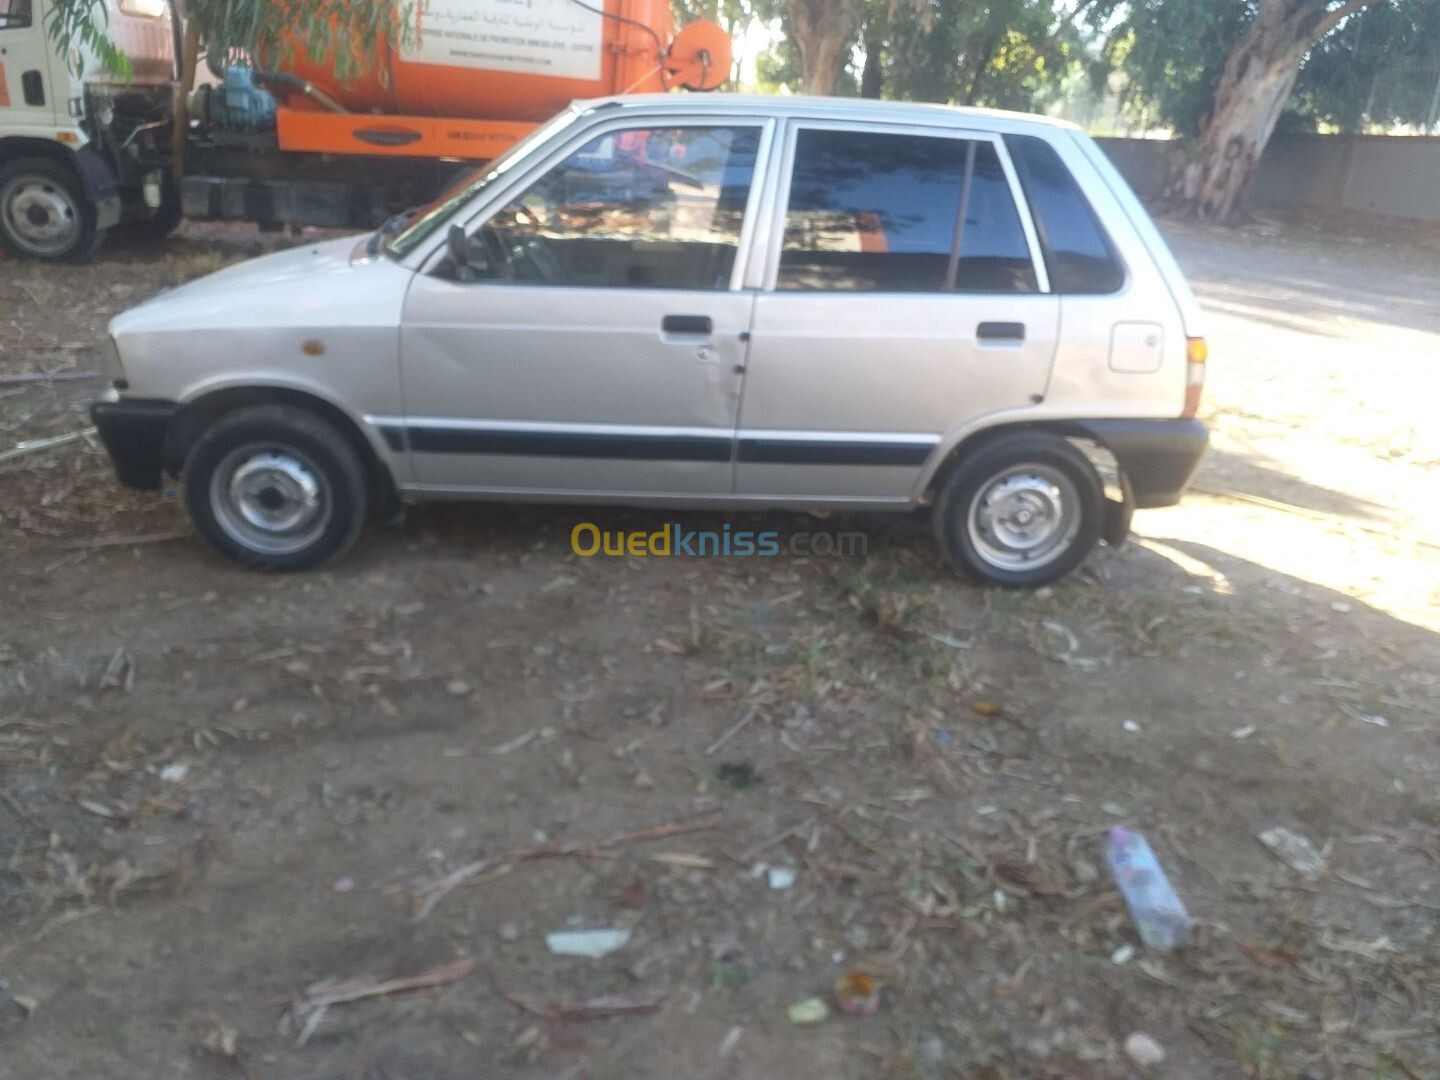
(218, 789)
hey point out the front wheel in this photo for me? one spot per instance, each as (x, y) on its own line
(44, 212)
(275, 487)
(1021, 511)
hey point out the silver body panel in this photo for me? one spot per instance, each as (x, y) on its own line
(475, 389)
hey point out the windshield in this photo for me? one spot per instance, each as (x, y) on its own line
(424, 221)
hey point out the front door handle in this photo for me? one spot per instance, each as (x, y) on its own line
(1000, 333)
(690, 325)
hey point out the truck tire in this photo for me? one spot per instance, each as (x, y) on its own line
(1020, 511)
(275, 487)
(44, 213)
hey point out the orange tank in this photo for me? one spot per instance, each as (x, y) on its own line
(521, 60)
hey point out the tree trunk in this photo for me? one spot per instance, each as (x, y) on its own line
(872, 76)
(822, 30)
(1254, 86)
(979, 62)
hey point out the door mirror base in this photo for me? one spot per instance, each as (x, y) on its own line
(457, 247)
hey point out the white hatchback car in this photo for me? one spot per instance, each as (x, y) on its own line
(715, 300)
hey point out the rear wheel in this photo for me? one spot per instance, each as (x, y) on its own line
(275, 487)
(1022, 510)
(44, 212)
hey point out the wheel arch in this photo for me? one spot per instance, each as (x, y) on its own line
(949, 457)
(201, 412)
(15, 147)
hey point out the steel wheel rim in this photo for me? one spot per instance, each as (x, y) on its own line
(270, 499)
(1024, 517)
(40, 215)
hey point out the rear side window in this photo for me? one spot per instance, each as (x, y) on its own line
(1078, 254)
(876, 212)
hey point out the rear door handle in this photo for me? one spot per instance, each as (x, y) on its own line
(690, 325)
(1000, 333)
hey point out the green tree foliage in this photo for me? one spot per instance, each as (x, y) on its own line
(1221, 72)
(1171, 52)
(1009, 54)
(346, 30)
(1015, 54)
(1381, 68)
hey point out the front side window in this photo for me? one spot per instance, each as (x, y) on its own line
(653, 208)
(878, 212)
(14, 14)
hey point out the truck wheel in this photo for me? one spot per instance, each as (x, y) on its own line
(275, 487)
(1022, 510)
(44, 212)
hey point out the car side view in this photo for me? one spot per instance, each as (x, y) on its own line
(720, 301)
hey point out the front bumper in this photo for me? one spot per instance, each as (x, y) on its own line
(135, 433)
(1157, 457)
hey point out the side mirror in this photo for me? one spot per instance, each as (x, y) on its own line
(457, 246)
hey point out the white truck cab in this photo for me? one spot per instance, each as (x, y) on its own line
(83, 148)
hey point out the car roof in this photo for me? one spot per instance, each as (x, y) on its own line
(865, 110)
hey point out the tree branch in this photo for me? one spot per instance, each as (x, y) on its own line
(1332, 19)
(1068, 20)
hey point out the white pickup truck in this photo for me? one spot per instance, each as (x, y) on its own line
(82, 148)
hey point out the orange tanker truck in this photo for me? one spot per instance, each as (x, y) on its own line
(297, 146)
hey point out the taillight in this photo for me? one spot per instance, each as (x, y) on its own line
(1196, 354)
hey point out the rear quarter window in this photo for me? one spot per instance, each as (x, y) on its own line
(1078, 254)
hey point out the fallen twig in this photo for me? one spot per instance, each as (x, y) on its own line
(431, 893)
(309, 1009)
(750, 854)
(127, 541)
(15, 805)
(594, 1009)
(723, 739)
(47, 376)
(36, 445)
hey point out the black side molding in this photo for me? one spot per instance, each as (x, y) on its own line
(779, 451)
(461, 440)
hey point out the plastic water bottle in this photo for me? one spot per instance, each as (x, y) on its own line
(1159, 915)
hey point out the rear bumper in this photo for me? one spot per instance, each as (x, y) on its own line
(135, 434)
(1158, 457)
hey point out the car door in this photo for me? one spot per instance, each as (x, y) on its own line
(903, 297)
(592, 341)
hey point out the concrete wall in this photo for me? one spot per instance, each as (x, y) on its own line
(1394, 176)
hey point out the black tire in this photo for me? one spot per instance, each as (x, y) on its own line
(59, 187)
(980, 504)
(299, 456)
